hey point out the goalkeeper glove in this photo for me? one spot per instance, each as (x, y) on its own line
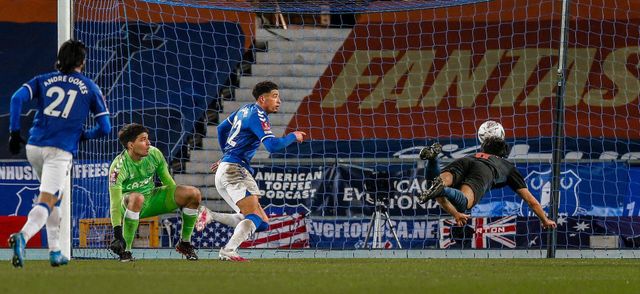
(15, 142)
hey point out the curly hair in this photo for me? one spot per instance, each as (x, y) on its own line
(130, 132)
(263, 87)
(496, 146)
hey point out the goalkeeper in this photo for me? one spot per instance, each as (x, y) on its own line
(463, 182)
(133, 194)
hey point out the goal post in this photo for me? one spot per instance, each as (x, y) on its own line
(65, 32)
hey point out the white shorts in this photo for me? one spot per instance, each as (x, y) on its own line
(52, 166)
(234, 182)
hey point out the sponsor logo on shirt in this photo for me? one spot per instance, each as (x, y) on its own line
(138, 184)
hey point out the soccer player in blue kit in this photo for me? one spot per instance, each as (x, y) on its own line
(240, 136)
(64, 99)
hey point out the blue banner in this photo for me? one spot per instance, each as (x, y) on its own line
(337, 209)
(352, 233)
(20, 188)
(90, 199)
(597, 189)
(511, 232)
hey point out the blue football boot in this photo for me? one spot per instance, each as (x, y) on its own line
(57, 259)
(17, 244)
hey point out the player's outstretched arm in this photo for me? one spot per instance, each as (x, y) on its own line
(299, 136)
(533, 203)
(461, 218)
(273, 144)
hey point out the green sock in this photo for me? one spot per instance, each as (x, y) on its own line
(129, 231)
(189, 217)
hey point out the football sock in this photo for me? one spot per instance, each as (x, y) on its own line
(189, 217)
(243, 230)
(35, 221)
(53, 229)
(456, 198)
(131, 221)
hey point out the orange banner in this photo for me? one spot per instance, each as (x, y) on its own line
(104, 11)
(420, 74)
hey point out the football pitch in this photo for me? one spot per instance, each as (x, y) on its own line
(392, 276)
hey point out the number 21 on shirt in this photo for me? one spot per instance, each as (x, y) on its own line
(59, 95)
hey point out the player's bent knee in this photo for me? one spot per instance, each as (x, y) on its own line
(447, 178)
(189, 192)
(48, 199)
(196, 195)
(470, 202)
(258, 222)
(135, 201)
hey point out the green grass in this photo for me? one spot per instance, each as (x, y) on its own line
(393, 276)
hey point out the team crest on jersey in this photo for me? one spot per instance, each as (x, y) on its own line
(266, 126)
(539, 183)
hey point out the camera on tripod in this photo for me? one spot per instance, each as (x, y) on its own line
(378, 185)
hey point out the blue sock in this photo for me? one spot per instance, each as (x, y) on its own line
(456, 198)
(258, 222)
(432, 169)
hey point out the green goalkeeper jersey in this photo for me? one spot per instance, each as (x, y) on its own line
(127, 175)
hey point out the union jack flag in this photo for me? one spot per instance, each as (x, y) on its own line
(446, 233)
(480, 233)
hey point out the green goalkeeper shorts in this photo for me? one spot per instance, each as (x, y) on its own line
(161, 200)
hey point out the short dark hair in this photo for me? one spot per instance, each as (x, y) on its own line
(71, 55)
(130, 132)
(263, 87)
(496, 146)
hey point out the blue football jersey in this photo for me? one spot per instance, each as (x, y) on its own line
(250, 126)
(63, 103)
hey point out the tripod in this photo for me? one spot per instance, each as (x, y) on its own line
(380, 211)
